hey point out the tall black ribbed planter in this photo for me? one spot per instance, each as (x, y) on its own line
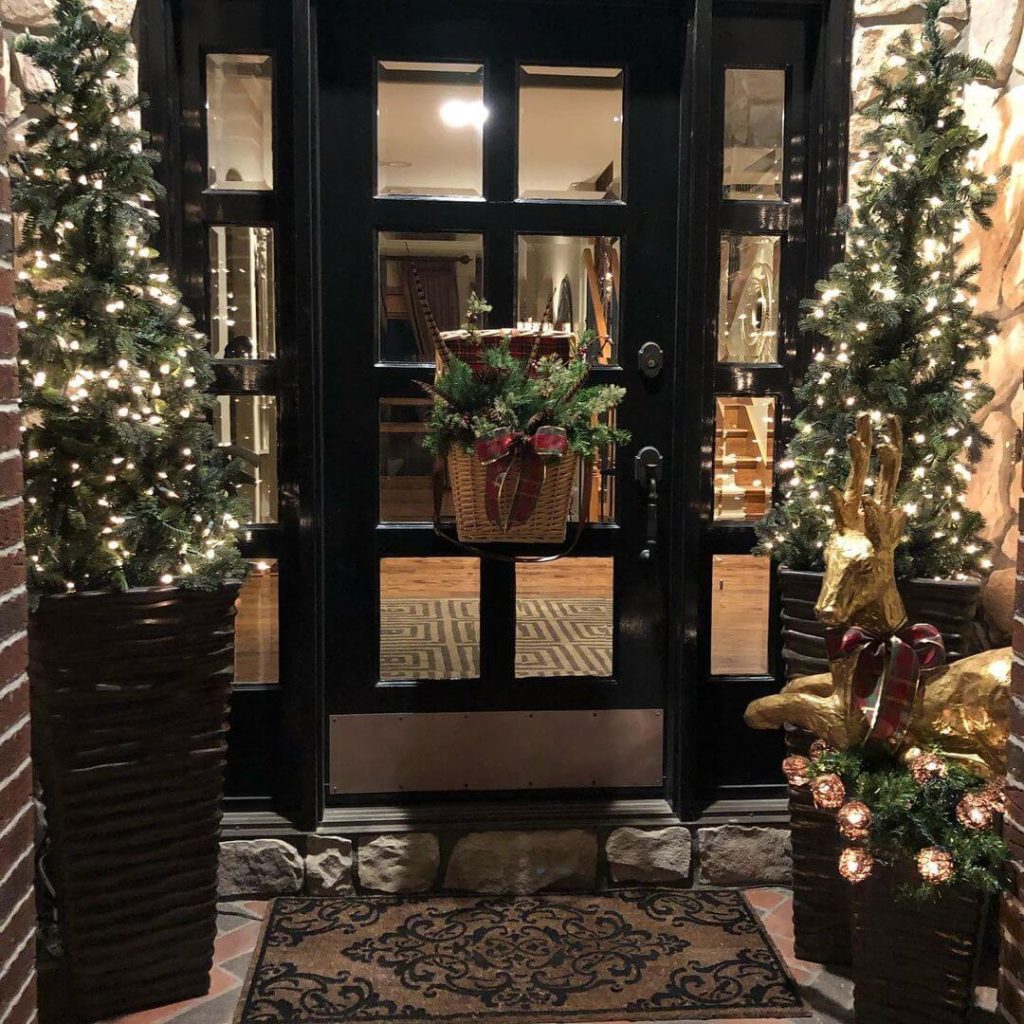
(949, 605)
(821, 896)
(914, 963)
(129, 708)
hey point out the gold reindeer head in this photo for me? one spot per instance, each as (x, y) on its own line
(859, 585)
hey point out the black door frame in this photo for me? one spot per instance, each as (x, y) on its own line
(290, 732)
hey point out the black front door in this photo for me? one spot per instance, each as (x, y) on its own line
(529, 152)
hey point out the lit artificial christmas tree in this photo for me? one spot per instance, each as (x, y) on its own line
(124, 484)
(898, 314)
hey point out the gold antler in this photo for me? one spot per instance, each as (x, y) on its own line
(846, 505)
(890, 461)
(884, 525)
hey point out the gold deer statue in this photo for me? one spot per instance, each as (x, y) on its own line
(963, 708)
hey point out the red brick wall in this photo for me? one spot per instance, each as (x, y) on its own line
(1011, 970)
(17, 819)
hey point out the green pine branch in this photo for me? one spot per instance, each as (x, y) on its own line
(899, 333)
(124, 484)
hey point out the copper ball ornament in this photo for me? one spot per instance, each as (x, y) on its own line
(795, 769)
(828, 791)
(935, 865)
(820, 747)
(994, 794)
(927, 767)
(855, 864)
(854, 820)
(975, 811)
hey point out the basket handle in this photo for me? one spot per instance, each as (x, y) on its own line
(494, 556)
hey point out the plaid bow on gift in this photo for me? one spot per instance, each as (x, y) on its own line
(503, 450)
(887, 674)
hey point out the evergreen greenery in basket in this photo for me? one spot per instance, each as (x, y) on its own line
(521, 395)
(926, 810)
(897, 315)
(124, 484)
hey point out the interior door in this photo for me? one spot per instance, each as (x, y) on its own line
(527, 151)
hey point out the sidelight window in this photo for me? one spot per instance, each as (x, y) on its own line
(257, 637)
(243, 303)
(755, 100)
(740, 592)
(748, 298)
(744, 457)
(241, 281)
(240, 122)
(246, 425)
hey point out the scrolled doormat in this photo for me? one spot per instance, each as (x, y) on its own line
(628, 955)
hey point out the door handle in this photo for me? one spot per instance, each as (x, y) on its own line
(647, 469)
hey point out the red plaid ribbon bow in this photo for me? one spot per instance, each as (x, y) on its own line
(500, 451)
(887, 674)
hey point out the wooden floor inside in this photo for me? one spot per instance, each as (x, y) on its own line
(739, 600)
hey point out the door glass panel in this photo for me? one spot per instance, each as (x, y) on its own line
(571, 282)
(744, 457)
(430, 124)
(600, 508)
(739, 615)
(570, 133)
(755, 103)
(406, 467)
(424, 279)
(247, 426)
(429, 618)
(240, 122)
(564, 624)
(748, 299)
(257, 640)
(243, 307)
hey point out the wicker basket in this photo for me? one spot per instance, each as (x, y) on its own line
(547, 523)
(521, 344)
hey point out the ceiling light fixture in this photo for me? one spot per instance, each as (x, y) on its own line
(464, 113)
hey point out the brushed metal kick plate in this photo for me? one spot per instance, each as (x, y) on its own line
(494, 750)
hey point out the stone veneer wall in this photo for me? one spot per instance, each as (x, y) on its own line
(554, 860)
(990, 29)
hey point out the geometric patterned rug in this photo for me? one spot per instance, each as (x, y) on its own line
(422, 639)
(646, 954)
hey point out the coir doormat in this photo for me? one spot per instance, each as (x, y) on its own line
(626, 955)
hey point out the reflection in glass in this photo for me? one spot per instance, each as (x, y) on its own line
(755, 102)
(239, 122)
(739, 615)
(257, 639)
(430, 123)
(247, 426)
(571, 282)
(744, 457)
(429, 618)
(748, 299)
(425, 280)
(243, 307)
(564, 624)
(601, 506)
(406, 467)
(570, 133)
